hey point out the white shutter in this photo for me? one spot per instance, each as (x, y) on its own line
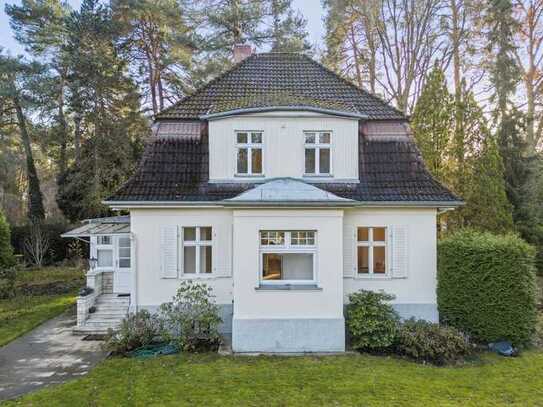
(222, 250)
(349, 251)
(168, 251)
(399, 251)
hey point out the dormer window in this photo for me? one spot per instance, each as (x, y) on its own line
(317, 152)
(249, 153)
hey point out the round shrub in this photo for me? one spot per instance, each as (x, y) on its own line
(191, 321)
(487, 287)
(371, 321)
(433, 343)
(136, 330)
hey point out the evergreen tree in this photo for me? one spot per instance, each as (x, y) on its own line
(157, 40)
(109, 106)
(17, 99)
(288, 32)
(39, 25)
(432, 122)
(504, 76)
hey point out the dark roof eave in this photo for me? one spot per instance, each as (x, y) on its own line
(234, 112)
(227, 203)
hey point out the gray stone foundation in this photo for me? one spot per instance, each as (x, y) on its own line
(288, 335)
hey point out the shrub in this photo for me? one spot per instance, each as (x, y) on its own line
(191, 320)
(486, 286)
(428, 342)
(371, 322)
(6, 251)
(136, 330)
(7, 282)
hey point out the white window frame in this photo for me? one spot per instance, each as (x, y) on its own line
(109, 247)
(287, 248)
(249, 146)
(371, 244)
(198, 244)
(317, 146)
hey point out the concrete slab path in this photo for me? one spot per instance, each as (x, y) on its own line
(47, 355)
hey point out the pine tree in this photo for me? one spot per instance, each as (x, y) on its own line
(432, 122)
(157, 41)
(108, 103)
(17, 81)
(288, 32)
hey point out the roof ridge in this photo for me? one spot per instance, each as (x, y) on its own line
(353, 85)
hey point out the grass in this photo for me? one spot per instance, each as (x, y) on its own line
(22, 313)
(349, 380)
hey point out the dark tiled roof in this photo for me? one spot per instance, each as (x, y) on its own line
(176, 169)
(290, 79)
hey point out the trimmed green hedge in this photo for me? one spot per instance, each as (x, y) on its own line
(487, 287)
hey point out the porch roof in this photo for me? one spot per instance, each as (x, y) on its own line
(112, 225)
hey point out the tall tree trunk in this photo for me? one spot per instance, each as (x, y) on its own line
(62, 164)
(458, 105)
(356, 56)
(36, 211)
(77, 139)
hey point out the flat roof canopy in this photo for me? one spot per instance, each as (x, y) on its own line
(113, 225)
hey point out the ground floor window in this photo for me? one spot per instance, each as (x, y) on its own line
(197, 250)
(372, 250)
(287, 256)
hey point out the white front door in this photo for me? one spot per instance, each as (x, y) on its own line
(122, 277)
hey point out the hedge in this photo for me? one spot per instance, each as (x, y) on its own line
(487, 286)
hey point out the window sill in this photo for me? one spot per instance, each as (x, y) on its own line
(288, 287)
(318, 175)
(372, 277)
(249, 176)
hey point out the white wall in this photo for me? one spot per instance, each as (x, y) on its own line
(418, 288)
(262, 304)
(283, 139)
(420, 285)
(153, 290)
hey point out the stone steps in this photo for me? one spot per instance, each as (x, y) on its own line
(110, 311)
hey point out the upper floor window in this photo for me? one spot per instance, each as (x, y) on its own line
(317, 152)
(249, 152)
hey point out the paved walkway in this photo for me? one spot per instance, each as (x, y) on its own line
(49, 354)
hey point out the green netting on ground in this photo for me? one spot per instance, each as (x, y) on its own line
(151, 351)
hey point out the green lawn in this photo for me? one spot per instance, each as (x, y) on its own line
(22, 313)
(361, 380)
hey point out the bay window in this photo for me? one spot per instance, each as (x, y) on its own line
(287, 257)
(197, 250)
(249, 152)
(371, 251)
(317, 153)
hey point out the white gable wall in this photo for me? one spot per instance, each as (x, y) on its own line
(283, 144)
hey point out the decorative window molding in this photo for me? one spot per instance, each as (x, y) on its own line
(288, 257)
(197, 250)
(318, 153)
(372, 252)
(249, 153)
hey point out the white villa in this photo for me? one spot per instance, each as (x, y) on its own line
(285, 188)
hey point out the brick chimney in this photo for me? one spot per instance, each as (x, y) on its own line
(242, 51)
